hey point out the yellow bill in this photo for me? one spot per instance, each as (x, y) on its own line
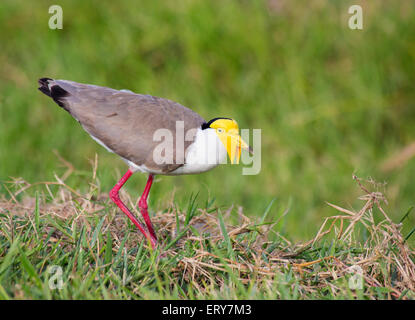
(234, 144)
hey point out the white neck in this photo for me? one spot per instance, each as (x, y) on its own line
(205, 153)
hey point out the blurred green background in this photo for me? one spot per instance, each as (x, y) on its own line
(330, 101)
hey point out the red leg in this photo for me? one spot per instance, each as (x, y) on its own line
(142, 205)
(116, 198)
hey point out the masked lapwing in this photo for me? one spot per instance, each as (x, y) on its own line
(144, 131)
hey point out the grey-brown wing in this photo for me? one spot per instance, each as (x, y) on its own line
(125, 122)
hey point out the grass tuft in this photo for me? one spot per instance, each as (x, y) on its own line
(202, 254)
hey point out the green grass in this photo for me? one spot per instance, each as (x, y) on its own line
(60, 245)
(331, 102)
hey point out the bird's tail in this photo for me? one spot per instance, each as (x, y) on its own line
(53, 90)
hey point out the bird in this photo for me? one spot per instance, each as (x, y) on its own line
(132, 126)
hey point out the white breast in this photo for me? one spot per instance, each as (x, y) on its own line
(204, 154)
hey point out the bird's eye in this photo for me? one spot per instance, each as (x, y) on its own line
(220, 130)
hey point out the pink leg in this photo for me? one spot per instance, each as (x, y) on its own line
(116, 198)
(142, 205)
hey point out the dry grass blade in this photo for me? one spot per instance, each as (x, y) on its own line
(262, 260)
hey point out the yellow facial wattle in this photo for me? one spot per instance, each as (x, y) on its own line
(228, 133)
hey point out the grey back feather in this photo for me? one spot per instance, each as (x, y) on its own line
(125, 121)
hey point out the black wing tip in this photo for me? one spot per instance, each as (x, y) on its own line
(56, 92)
(44, 81)
(44, 86)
